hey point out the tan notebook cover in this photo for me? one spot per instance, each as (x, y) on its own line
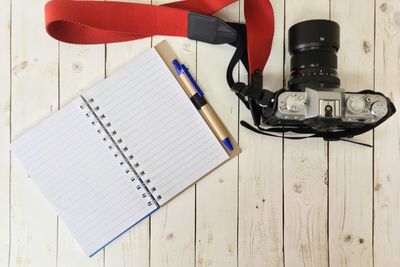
(168, 55)
(104, 167)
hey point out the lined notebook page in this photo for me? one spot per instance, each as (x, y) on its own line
(156, 122)
(80, 176)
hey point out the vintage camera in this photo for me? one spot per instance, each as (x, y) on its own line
(314, 99)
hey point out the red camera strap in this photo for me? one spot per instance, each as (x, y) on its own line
(94, 22)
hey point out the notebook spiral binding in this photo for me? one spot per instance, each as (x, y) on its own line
(145, 182)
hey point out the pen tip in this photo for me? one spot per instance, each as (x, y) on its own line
(228, 144)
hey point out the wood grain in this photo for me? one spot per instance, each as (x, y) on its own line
(216, 210)
(133, 248)
(79, 68)
(350, 166)
(173, 227)
(260, 235)
(387, 136)
(34, 97)
(272, 206)
(305, 174)
(5, 124)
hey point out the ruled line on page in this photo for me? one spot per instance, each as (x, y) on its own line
(158, 124)
(80, 177)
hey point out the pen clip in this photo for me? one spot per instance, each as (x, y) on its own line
(192, 81)
(178, 67)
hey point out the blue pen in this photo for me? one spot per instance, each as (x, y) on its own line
(194, 89)
(192, 81)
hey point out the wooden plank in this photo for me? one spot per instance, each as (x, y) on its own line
(80, 67)
(305, 174)
(173, 226)
(5, 124)
(34, 96)
(260, 236)
(172, 232)
(216, 202)
(387, 136)
(350, 175)
(132, 248)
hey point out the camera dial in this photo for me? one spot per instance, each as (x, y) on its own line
(355, 104)
(314, 101)
(379, 109)
(295, 102)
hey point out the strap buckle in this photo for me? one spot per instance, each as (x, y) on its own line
(254, 97)
(254, 92)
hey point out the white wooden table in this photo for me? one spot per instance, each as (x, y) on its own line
(281, 203)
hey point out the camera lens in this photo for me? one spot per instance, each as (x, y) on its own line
(313, 46)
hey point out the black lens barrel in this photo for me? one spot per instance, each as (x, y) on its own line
(313, 34)
(313, 46)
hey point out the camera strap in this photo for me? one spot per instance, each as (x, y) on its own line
(96, 22)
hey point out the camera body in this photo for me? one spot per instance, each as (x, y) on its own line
(329, 109)
(314, 99)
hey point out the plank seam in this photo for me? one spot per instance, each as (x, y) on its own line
(373, 145)
(283, 137)
(149, 248)
(105, 61)
(10, 137)
(327, 202)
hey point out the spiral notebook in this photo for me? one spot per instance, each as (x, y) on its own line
(124, 148)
